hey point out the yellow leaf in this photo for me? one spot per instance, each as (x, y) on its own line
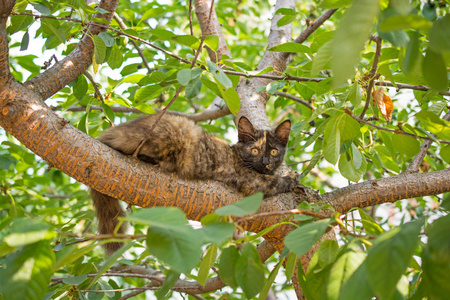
(384, 103)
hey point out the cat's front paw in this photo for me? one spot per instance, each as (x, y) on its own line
(290, 182)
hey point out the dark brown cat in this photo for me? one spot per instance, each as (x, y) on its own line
(176, 144)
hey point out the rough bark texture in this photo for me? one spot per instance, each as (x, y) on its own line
(202, 9)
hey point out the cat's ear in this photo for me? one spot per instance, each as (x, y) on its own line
(246, 131)
(282, 131)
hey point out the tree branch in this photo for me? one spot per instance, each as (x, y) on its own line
(396, 131)
(66, 70)
(372, 74)
(418, 159)
(202, 10)
(6, 7)
(390, 189)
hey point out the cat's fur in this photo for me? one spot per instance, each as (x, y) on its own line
(176, 144)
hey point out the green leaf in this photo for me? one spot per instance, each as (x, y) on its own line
(158, 216)
(217, 233)
(285, 20)
(405, 144)
(270, 281)
(193, 88)
(398, 38)
(25, 41)
(135, 78)
(212, 41)
(27, 273)
(187, 40)
(341, 271)
(349, 127)
(145, 108)
(429, 11)
(286, 12)
(115, 58)
(107, 38)
(212, 86)
(348, 168)
(19, 22)
(80, 88)
(25, 231)
(52, 27)
(369, 224)
(356, 287)
(147, 92)
(169, 238)
(389, 257)
(177, 246)
(439, 37)
(168, 283)
(99, 49)
(75, 280)
(206, 264)
(355, 95)
(42, 8)
(327, 252)
(350, 38)
(431, 122)
(336, 3)
(290, 47)
(322, 58)
(231, 98)
(332, 138)
(250, 271)
(184, 76)
(303, 238)
(109, 113)
(398, 22)
(436, 260)
(219, 75)
(247, 205)
(435, 71)
(445, 153)
(227, 266)
(412, 54)
(291, 262)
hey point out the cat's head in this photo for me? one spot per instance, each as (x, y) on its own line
(262, 150)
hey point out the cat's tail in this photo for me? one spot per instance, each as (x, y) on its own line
(108, 209)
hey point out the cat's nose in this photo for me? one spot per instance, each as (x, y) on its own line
(265, 161)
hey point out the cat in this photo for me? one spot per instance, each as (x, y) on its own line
(178, 145)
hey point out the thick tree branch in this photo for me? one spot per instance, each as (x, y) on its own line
(66, 70)
(202, 10)
(390, 189)
(253, 103)
(6, 7)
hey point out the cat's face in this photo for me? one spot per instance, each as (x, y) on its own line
(262, 150)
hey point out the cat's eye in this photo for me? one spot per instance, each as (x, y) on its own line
(255, 151)
(273, 152)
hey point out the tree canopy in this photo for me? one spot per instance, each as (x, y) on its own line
(365, 84)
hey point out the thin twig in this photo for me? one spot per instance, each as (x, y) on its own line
(95, 85)
(397, 131)
(136, 46)
(372, 74)
(418, 159)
